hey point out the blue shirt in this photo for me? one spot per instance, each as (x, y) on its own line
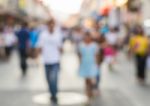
(34, 37)
(23, 38)
(104, 30)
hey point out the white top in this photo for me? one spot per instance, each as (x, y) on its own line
(112, 38)
(9, 39)
(50, 43)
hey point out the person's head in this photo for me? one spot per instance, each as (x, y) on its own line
(116, 29)
(77, 29)
(51, 25)
(87, 37)
(96, 26)
(24, 25)
(139, 31)
(33, 24)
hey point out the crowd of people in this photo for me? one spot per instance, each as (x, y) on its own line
(94, 45)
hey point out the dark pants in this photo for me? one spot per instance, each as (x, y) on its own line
(52, 78)
(23, 60)
(141, 66)
(8, 51)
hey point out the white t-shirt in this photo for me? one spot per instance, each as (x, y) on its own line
(112, 38)
(50, 43)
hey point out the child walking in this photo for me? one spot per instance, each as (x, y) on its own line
(88, 51)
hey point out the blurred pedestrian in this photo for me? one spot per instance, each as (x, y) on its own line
(88, 50)
(65, 33)
(9, 39)
(23, 46)
(50, 43)
(110, 49)
(34, 35)
(77, 35)
(139, 47)
(104, 30)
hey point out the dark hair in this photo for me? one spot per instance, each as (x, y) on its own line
(78, 28)
(24, 24)
(139, 30)
(116, 29)
(87, 34)
(51, 21)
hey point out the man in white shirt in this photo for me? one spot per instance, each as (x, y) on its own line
(50, 43)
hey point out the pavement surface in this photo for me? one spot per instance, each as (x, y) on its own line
(118, 87)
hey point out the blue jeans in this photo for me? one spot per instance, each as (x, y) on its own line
(52, 78)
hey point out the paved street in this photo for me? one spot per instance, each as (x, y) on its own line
(118, 88)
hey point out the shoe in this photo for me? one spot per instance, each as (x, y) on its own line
(54, 100)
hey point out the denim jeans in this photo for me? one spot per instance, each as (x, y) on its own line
(52, 77)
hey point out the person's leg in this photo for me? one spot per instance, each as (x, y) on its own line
(97, 81)
(23, 62)
(111, 63)
(142, 67)
(47, 73)
(52, 78)
(96, 86)
(10, 50)
(7, 51)
(137, 59)
(89, 88)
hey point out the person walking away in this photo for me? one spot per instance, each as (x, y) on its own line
(88, 50)
(139, 47)
(110, 47)
(50, 43)
(23, 45)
